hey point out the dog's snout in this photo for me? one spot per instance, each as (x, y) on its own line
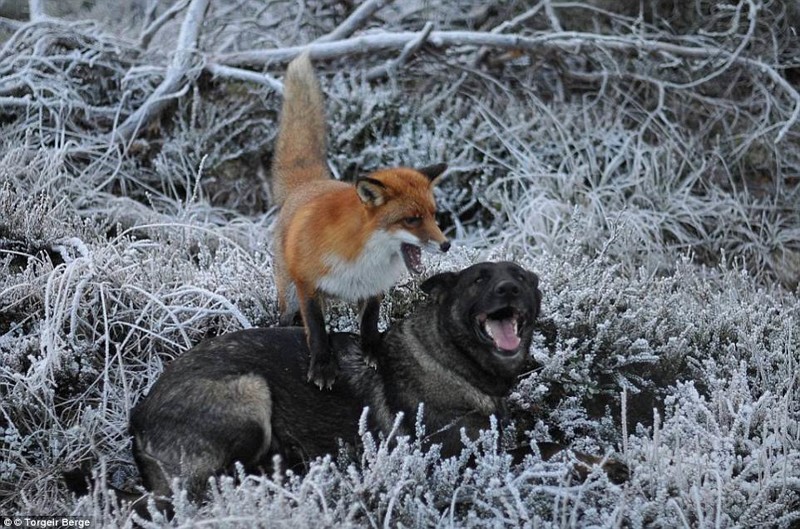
(444, 246)
(507, 288)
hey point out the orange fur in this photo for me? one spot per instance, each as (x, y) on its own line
(334, 238)
(338, 223)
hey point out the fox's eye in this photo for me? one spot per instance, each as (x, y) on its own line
(412, 222)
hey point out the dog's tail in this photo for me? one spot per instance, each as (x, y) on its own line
(302, 144)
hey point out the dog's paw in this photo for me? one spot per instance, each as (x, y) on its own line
(323, 375)
(617, 471)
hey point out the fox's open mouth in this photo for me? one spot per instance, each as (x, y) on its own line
(412, 255)
(502, 327)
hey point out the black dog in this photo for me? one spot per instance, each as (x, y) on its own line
(243, 396)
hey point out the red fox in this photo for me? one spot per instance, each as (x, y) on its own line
(335, 239)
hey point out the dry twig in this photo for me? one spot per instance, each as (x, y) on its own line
(37, 9)
(178, 70)
(240, 74)
(151, 29)
(408, 50)
(355, 21)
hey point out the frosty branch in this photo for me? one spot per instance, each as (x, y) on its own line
(151, 29)
(355, 21)
(178, 71)
(37, 9)
(568, 41)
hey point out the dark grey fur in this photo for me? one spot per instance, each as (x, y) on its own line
(244, 396)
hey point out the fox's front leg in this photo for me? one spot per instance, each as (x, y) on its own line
(323, 364)
(370, 336)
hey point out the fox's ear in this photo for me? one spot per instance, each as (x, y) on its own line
(370, 191)
(433, 172)
(439, 285)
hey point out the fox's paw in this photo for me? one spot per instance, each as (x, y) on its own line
(323, 374)
(370, 359)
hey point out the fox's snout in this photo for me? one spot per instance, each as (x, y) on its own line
(435, 238)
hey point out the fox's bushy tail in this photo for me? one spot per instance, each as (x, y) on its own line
(302, 135)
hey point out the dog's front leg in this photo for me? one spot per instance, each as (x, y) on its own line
(323, 364)
(370, 335)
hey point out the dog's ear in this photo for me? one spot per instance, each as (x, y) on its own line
(371, 191)
(438, 285)
(434, 172)
(533, 280)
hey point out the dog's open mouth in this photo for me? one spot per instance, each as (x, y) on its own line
(412, 255)
(502, 327)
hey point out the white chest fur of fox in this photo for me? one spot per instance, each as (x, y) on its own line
(376, 269)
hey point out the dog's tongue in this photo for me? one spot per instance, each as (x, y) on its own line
(504, 333)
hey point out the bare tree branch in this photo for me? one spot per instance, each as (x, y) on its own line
(408, 50)
(177, 71)
(355, 21)
(23, 101)
(566, 40)
(228, 72)
(11, 24)
(37, 9)
(551, 15)
(569, 40)
(149, 32)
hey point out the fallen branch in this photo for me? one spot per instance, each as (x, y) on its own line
(36, 8)
(11, 24)
(355, 21)
(239, 74)
(555, 23)
(566, 40)
(151, 29)
(177, 72)
(408, 50)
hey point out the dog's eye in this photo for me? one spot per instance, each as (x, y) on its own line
(412, 222)
(481, 278)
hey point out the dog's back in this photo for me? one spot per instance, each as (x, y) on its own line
(241, 397)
